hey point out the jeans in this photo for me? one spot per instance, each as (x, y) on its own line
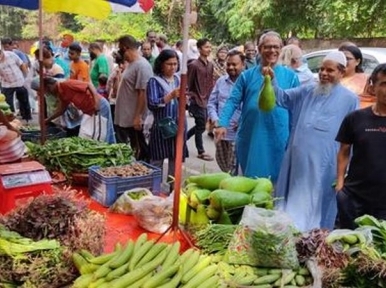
(137, 142)
(351, 207)
(23, 98)
(200, 117)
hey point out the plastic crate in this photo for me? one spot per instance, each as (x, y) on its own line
(105, 190)
(35, 135)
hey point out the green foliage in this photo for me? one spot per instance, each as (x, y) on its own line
(11, 21)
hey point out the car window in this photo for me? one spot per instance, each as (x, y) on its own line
(315, 62)
(369, 63)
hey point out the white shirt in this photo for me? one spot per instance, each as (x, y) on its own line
(10, 72)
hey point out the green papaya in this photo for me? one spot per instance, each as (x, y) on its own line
(267, 98)
(209, 181)
(212, 213)
(224, 199)
(4, 106)
(198, 196)
(263, 184)
(238, 184)
(261, 198)
(201, 217)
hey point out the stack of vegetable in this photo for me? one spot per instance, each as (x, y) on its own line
(146, 264)
(69, 155)
(367, 249)
(220, 198)
(28, 263)
(62, 216)
(4, 107)
(244, 275)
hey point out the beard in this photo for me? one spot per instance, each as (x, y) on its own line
(323, 89)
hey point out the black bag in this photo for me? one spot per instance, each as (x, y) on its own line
(168, 127)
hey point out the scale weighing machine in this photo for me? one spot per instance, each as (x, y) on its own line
(20, 181)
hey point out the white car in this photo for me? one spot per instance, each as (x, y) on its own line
(371, 58)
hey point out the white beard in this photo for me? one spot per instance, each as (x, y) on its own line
(323, 89)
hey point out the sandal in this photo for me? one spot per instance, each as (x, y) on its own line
(205, 157)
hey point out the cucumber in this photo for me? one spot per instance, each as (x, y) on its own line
(267, 279)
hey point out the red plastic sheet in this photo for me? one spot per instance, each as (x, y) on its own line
(121, 228)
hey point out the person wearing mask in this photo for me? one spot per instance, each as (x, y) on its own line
(250, 55)
(162, 100)
(130, 108)
(100, 65)
(146, 53)
(13, 72)
(291, 57)
(361, 167)
(262, 136)
(79, 68)
(307, 174)
(200, 84)
(225, 148)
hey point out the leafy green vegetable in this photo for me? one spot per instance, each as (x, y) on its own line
(77, 154)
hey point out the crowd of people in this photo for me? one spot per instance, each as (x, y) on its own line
(321, 152)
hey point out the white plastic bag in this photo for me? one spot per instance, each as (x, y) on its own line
(127, 202)
(93, 127)
(264, 239)
(154, 214)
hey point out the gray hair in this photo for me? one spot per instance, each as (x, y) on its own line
(269, 34)
(290, 53)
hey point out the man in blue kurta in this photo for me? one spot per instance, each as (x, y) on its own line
(309, 165)
(262, 136)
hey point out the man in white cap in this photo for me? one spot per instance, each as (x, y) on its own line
(309, 169)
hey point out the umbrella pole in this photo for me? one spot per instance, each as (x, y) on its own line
(41, 84)
(180, 141)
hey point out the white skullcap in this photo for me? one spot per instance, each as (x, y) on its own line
(336, 56)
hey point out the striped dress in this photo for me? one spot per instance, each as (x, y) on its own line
(157, 88)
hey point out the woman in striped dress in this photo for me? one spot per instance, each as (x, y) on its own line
(162, 100)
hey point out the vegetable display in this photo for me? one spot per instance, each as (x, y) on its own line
(146, 264)
(223, 197)
(134, 169)
(76, 154)
(28, 263)
(61, 216)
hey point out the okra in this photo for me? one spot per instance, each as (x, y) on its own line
(202, 263)
(201, 276)
(267, 279)
(123, 257)
(173, 254)
(154, 281)
(138, 254)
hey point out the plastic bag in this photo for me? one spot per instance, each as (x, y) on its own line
(126, 203)
(350, 241)
(93, 127)
(155, 214)
(265, 239)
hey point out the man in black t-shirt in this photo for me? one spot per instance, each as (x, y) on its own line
(363, 132)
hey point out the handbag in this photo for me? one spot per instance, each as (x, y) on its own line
(93, 127)
(168, 127)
